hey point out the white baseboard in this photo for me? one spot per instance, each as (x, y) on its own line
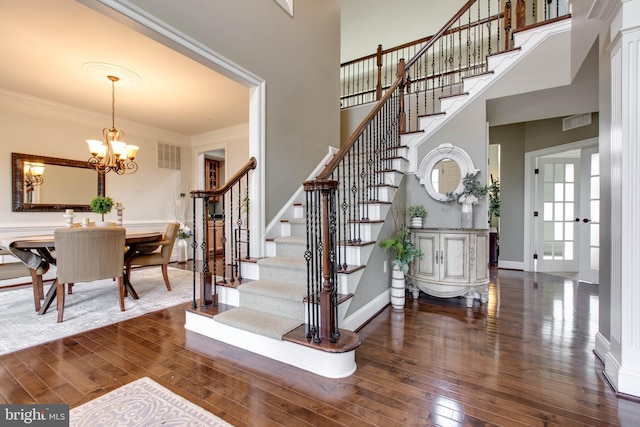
(366, 313)
(511, 265)
(602, 346)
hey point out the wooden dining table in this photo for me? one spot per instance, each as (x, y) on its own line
(42, 246)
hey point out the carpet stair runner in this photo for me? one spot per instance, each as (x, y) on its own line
(274, 304)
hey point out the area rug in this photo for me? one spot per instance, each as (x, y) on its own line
(143, 402)
(92, 305)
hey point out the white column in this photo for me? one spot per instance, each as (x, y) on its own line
(622, 362)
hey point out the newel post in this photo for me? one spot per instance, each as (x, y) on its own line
(321, 259)
(402, 116)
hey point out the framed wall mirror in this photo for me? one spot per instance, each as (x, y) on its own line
(50, 184)
(442, 169)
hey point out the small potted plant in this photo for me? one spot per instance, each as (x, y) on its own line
(102, 205)
(417, 213)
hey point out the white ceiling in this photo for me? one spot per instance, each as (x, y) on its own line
(44, 44)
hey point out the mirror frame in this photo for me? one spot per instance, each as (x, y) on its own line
(17, 184)
(444, 151)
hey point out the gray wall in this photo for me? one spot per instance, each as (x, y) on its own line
(515, 140)
(298, 57)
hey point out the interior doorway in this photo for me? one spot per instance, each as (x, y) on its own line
(564, 220)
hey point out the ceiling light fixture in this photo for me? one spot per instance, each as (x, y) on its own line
(112, 154)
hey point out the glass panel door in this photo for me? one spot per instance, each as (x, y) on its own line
(589, 224)
(557, 201)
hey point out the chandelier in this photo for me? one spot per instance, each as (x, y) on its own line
(33, 175)
(112, 154)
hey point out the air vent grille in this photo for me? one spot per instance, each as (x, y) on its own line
(169, 156)
(577, 121)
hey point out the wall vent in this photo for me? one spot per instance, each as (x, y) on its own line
(169, 156)
(576, 121)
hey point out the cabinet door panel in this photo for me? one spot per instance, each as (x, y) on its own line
(481, 269)
(455, 248)
(426, 266)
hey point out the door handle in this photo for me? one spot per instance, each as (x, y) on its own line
(585, 220)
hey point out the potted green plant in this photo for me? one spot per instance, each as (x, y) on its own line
(417, 213)
(494, 202)
(404, 252)
(102, 205)
(468, 197)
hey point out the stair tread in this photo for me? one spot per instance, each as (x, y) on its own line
(272, 288)
(257, 322)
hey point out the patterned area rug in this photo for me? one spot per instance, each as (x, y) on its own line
(142, 403)
(92, 305)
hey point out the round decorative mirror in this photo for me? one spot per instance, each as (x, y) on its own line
(442, 169)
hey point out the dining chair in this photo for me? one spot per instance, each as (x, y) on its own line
(86, 255)
(156, 253)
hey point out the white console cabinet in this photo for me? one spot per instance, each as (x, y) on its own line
(455, 263)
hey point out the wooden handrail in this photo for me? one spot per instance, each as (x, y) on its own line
(250, 165)
(326, 172)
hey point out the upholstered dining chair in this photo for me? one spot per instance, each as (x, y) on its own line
(156, 253)
(86, 255)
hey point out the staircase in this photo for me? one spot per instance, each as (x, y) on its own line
(271, 307)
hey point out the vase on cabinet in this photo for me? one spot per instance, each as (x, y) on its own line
(416, 222)
(466, 216)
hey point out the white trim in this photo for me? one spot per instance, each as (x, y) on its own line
(326, 364)
(529, 180)
(367, 312)
(602, 346)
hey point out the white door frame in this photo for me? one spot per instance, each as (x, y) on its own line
(530, 193)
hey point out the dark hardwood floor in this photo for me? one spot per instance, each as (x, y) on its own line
(525, 358)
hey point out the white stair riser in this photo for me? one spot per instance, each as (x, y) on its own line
(392, 178)
(374, 211)
(368, 231)
(356, 255)
(347, 283)
(383, 194)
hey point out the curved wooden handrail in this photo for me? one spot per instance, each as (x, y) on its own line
(326, 172)
(250, 165)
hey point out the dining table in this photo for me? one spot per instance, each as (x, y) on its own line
(37, 253)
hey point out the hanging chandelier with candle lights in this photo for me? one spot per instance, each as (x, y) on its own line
(112, 154)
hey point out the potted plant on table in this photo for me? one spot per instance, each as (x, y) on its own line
(469, 196)
(417, 213)
(404, 252)
(102, 205)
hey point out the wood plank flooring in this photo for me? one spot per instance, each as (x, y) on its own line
(523, 359)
